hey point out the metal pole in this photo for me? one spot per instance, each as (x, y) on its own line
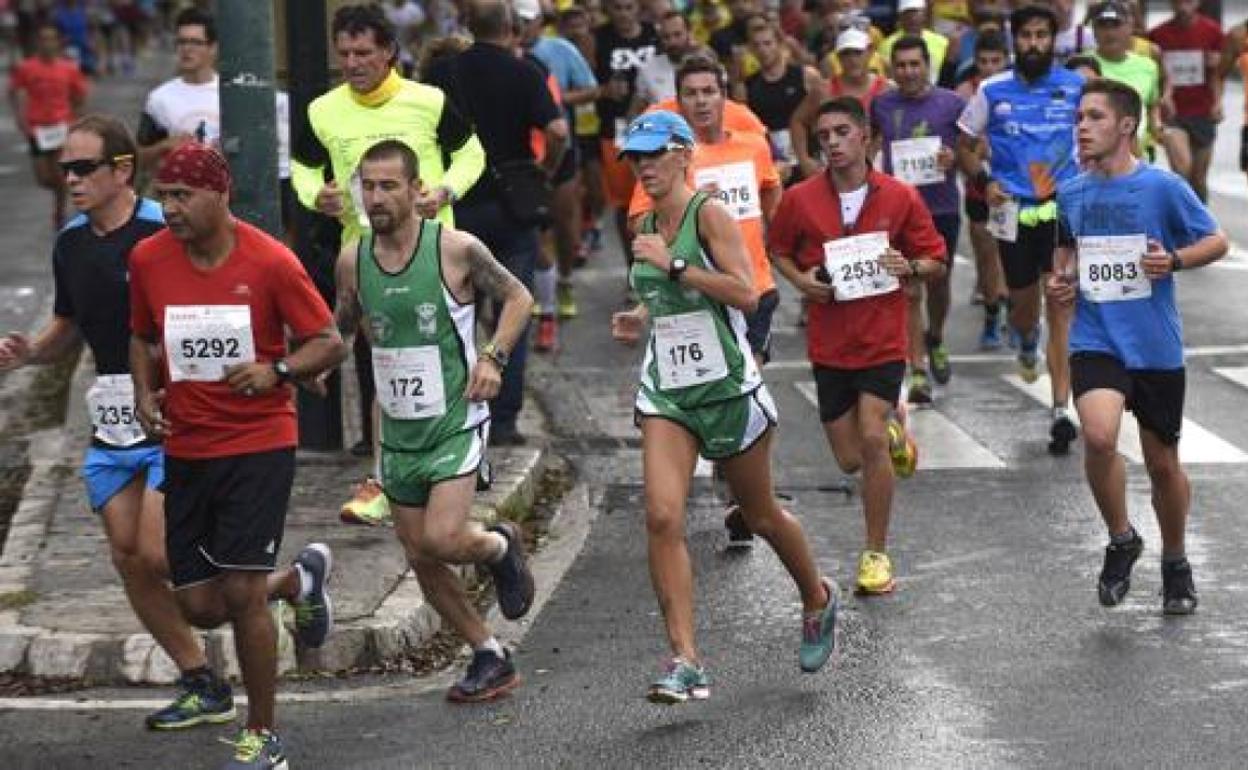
(316, 236)
(248, 110)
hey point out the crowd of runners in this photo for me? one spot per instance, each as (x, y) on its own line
(836, 146)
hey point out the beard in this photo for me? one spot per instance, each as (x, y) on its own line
(381, 222)
(1033, 64)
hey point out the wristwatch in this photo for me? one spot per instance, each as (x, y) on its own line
(282, 370)
(496, 354)
(677, 269)
(1176, 264)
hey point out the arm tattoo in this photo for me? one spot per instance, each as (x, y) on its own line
(488, 276)
(347, 313)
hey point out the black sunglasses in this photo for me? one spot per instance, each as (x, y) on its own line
(87, 166)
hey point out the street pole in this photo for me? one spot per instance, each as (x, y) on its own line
(316, 236)
(248, 110)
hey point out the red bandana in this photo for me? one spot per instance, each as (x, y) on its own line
(195, 165)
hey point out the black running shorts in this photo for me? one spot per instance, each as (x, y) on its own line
(1029, 256)
(1154, 396)
(838, 389)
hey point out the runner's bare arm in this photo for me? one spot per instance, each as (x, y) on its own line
(732, 283)
(52, 343)
(347, 310)
(488, 276)
(148, 395)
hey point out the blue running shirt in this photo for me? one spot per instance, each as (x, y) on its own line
(1142, 333)
(1030, 128)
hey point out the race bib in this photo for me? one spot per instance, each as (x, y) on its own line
(1003, 221)
(110, 401)
(782, 144)
(914, 160)
(855, 267)
(1110, 268)
(201, 341)
(409, 382)
(735, 186)
(687, 350)
(1185, 68)
(48, 138)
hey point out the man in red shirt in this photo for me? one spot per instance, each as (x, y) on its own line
(211, 299)
(46, 91)
(1191, 50)
(847, 239)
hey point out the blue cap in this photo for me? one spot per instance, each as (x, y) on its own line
(652, 131)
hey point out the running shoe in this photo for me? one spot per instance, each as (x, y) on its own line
(920, 388)
(197, 703)
(314, 614)
(938, 357)
(901, 449)
(875, 573)
(990, 337)
(547, 334)
(368, 505)
(1062, 432)
(256, 750)
(1178, 591)
(740, 538)
(513, 582)
(489, 676)
(565, 302)
(1029, 357)
(680, 681)
(820, 632)
(1115, 578)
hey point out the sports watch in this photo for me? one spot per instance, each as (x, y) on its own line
(677, 269)
(282, 370)
(496, 354)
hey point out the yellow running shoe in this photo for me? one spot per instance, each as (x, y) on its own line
(902, 449)
(875, 573)
(368, 505)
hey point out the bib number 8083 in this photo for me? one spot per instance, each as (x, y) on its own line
(209, 347)
(1116, 272)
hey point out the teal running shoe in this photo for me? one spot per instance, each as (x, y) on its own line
(821, 632)
(680, 681)
(256, 750)
(196, 704)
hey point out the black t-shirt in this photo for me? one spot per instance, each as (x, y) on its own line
(620, 57)
(91, 273)
(723, 41)
(503, 96)
(774, 103)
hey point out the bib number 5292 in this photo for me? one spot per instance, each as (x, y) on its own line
(209, 347)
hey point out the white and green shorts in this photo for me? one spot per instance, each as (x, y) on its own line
(723, 429)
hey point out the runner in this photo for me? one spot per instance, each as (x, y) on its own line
(991, 56)
(1126, 228)
(211, 301)
(776, 91)
(1111, 24)
(917, 124)
(701, 393)
(849, 239)
(46, 91)
(432, 389)
(1026, 115)
(123, 468)
(912, 20)
(735, 167)
(1191, 48)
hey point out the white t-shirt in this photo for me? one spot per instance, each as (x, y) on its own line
(179, 107)
(851, 206)
(656, 80)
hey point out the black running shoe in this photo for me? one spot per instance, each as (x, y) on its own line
(513, 582)
(1061, 432)
(1115, 579)
(488, 677)
(1178, 592)
(740, 538)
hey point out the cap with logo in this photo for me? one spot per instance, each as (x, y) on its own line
(1109, 10)
(653, 131)
(853, 40)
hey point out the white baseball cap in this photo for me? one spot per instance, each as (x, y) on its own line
(911, 5)
(853, 40)
(527, 10)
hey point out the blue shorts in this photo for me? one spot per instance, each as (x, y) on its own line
(108, 471)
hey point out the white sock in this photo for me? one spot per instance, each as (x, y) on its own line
(501, 543)
(544, 280)
(493, 646)
(305, 582)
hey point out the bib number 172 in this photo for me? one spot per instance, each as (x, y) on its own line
(407, 387)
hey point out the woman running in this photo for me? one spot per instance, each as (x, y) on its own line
(701, 393)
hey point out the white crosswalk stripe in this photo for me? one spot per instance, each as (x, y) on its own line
(1236, 374)
(942, 444)
(1197, 444)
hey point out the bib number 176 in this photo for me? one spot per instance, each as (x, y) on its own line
(682, 354)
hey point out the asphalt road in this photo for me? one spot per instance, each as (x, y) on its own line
(992, 653)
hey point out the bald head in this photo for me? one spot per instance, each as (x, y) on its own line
(489, 19)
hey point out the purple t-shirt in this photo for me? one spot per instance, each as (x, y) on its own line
(895, 117)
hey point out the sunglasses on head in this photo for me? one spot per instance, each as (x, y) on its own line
(87, 166)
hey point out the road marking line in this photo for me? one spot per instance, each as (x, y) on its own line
(942, 444)
(1236, 374)
(1197, 444)
(703, 469)
(1200, 351)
